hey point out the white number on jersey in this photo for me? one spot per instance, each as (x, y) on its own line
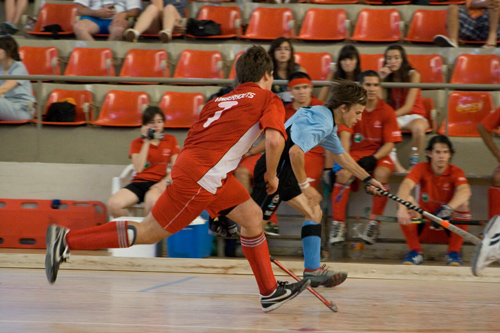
(225, 106)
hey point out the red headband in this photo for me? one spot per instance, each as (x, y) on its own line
(295, 82)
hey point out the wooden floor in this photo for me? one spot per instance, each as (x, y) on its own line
(376, 298)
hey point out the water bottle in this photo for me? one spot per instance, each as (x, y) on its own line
(413, 157)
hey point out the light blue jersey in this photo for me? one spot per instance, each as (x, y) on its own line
(313, 126)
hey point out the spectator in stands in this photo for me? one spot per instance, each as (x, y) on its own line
(369, 142)
(445, 192)
(486, 128)
(16, 96)
(281, 52)
(348, 68)
(162, 17)
(14, 10)
(407, 102)
(151, 155)
(104, 17)
(477, 20)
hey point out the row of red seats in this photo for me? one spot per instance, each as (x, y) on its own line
(468, 68)
(124, 108)
(269, 23)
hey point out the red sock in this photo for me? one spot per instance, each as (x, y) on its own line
(257, 254)
(340, 207)
(411, 236)
(106, 236)
(380, 202)
(456, 241)
(494, 201)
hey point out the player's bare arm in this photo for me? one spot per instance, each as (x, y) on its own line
(404, 192)
(275, 142)
(461, 196)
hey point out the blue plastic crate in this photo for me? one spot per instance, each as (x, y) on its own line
(194, 241)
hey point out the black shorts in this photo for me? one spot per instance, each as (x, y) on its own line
(288, 187)
(140, 188)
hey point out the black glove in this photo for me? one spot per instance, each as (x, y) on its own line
(368, 163)
(223, 226)
(444, 212)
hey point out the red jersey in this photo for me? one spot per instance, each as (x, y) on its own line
(290, 111)
(376, 127)
(398, 98)
(491, 121)
(436, 190)
(157, 159)
(227, 128)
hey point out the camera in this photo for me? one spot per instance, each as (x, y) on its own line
(153, 135)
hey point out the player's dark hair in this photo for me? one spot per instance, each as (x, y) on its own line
(150, 113)
(253, 64)
(291, 62)
(298, 75)
(345, 92)
(439, 139)
(347, 52)
(9, 45)
(368, 73)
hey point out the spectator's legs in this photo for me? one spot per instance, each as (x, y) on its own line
(382, 174)
(453, 23)
(171, 18)
(14, 9)
(493, 17)
(12, 112)
(85, 29)
(149, 17)
(150, 199)
(116, 30)
(119, 201)
(417, 128)
(460, 214)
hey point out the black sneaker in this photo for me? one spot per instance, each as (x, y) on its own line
(57, 250)
(271, 229)
(282, 294)
(9, 28)
(444, 41)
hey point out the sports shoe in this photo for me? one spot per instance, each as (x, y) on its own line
(371, 232)
(271, 229)
(282, 294)
(413, 258)
(57, 250)
(337, 232)
(8, 28)
(454, 258)
(131, 35)
(444, 41)
(488, 250)
(324, 277)
(223, 226)
(165, 36)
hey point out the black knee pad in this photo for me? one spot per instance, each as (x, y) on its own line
(311, 230)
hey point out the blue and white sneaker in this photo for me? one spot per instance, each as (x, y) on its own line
(413, 258)
(488, 250)
(454, 258)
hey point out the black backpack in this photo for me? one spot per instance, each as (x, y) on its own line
(63, 112)
(202, 27)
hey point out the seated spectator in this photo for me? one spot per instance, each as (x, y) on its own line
(110, 17)
(14, 10)
(369, 142)
(445, 192)
(16, 96)
(477, 20)
(281, 52)
(407, 102)
(161, 17)
(150, 154)
(486, 128)
(348, 68)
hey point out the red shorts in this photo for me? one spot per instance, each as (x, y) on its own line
(249, 163)
(385, 161)
(314, 165)
(184, 200)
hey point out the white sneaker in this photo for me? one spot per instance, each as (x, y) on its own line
(488, 250)
(131, 35)
(337, 232)
(444, 41)
(371, 232)
(165, 36)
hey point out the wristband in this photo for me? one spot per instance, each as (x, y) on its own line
(367, 179)
(168, 181)
(304, 185)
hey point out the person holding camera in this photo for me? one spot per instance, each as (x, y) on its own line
(151, 154)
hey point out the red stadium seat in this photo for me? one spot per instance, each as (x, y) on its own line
(90, 62)
(122, 109)
(386, 22)
(465, 110)
(447, 2)
(476, 68)
(382, 2)
(145, 63)
(181, 109)
(323, 25)
(84, 109)
(335, 2)
(371, 62)
(229, 18)
(232, 73)
(430, 67)
(426, 24)
(317, 65)
(270, 23)
(50, 13)
(199, 64)
(40, 60)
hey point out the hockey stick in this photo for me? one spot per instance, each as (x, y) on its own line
(383, 218)
(445, 224)
(332, 306)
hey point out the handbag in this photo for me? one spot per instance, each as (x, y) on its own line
(202, 27)
(61, 112)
